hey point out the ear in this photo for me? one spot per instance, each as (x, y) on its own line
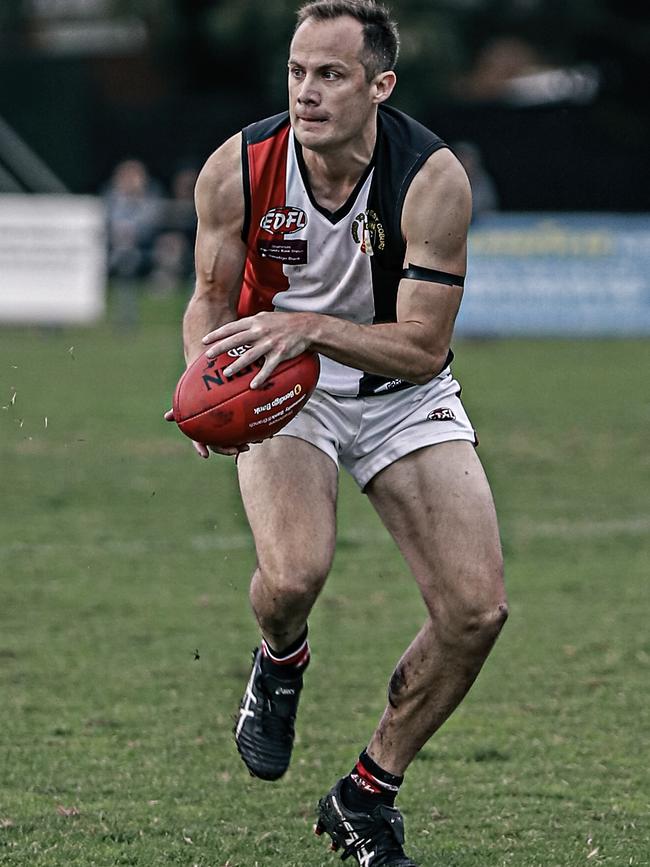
(383, 85)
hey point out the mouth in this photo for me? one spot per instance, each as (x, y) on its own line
(307, 119)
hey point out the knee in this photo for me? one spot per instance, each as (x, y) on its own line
(475, 617)
(291, 586)
(486, 622)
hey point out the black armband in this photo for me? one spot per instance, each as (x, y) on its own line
(417, 272)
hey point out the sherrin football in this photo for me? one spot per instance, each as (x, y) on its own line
(224, 411)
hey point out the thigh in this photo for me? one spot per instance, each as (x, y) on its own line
(289, 490)
(437, 504)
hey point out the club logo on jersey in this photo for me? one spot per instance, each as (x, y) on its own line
(368, 232)
(283, 221)
(442, 413)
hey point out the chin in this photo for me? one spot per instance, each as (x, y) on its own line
(312, 138)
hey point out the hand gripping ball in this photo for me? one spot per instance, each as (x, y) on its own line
(223, 411)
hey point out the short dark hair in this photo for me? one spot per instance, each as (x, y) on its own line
(380, 34)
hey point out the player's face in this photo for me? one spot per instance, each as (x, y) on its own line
(330, 101)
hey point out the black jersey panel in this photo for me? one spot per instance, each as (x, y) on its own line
(403, 146)
(263, 129)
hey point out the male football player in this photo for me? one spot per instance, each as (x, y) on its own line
(341, 227)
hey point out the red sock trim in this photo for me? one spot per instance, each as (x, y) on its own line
(298, 658)
(365, 780)
(371, 781)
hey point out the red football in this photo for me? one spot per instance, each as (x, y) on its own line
(223, 411)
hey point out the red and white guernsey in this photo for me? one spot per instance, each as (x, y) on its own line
(347, 263)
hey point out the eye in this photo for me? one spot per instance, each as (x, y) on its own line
(296, 72)
(330, 75)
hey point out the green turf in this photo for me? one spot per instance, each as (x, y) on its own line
(121, 554)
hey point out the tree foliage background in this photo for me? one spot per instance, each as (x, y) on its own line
(209, 66)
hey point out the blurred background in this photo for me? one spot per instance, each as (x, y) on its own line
(552, 92)
(545, 102)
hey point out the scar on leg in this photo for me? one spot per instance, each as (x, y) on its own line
(397, 685)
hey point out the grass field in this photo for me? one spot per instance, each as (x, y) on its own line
(122, 554)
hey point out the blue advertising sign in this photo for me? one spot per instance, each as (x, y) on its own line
(557, 274)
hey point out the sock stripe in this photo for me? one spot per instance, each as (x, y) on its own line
(374, 781)
(298, 657)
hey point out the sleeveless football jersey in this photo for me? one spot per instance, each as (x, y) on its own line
(347, 263)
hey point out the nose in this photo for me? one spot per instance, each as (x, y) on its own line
(307, 93)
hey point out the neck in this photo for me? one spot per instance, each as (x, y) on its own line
(342, 165)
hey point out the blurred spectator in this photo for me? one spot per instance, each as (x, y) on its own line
(173, 250)
(133, 207)
(484, 192)
(133, 202)
(500, 61)
(513, 71)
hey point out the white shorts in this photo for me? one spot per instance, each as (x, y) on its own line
(367, 434)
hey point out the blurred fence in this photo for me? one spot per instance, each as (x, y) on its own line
(558, 275)
(529, 274)
(52, 259)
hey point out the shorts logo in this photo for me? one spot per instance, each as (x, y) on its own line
(442, 413)
(283, 221)
(368, 232)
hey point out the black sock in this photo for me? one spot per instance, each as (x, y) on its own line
(368, 784)
(288, 663)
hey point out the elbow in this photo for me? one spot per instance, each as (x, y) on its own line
(420, 378)
(430, 366)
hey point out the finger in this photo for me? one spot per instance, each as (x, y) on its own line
(169, 415)
(248, 358)
(229, 452)
(227, 330)
(237, 341)
(201, 449)
(270, 363)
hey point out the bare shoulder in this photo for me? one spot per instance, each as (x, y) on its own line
(441, 177)
(219, 194)
(438, 209)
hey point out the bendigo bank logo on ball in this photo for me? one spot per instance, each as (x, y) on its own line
(283, 221)
(296, 391)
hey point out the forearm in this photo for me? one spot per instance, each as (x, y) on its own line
(204, 312)
(400, 350)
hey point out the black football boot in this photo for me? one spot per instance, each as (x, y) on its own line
(265, 729)
(373, 839)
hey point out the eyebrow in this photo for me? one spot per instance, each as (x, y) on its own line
(332, 64)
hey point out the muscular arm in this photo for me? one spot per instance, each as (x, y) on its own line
(220, 252)
(435, 221)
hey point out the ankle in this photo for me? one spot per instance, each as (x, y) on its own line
(368, 785)
(289, 662)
